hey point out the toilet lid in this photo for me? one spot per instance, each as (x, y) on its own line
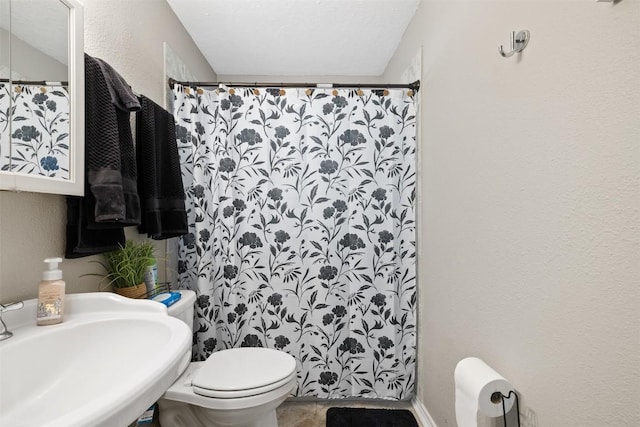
(243, 369)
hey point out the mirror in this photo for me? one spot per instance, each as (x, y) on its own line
(41, 96)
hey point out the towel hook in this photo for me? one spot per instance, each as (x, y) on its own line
(519, 41)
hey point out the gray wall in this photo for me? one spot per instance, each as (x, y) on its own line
(530, 228)
(130, 36)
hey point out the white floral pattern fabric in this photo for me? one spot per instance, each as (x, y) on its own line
(37, 120)
(301, 206)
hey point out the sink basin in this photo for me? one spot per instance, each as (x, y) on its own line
(109, 360)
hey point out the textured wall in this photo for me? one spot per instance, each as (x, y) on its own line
(530, 200)
(129, 35)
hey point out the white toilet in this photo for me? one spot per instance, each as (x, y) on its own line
(239, 387)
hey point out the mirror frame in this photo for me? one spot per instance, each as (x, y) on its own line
(75, 184)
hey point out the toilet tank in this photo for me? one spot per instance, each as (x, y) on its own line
(183, 308)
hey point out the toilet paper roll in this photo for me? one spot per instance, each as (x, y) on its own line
(475, 382)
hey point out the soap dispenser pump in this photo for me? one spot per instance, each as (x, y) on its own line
(51, 294)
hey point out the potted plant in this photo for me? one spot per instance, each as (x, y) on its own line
(127, 267)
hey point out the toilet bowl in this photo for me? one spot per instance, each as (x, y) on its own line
(239, 387)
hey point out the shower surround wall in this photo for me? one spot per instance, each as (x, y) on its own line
(32, 225)
(530, 239)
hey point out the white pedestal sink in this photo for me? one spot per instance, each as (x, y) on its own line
(109, 360)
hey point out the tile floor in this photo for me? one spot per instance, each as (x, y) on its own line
(312, 413)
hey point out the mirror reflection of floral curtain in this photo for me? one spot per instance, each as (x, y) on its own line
(5, 128)
(301, 207)
(39, 119)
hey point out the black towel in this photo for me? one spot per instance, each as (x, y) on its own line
(123, 102)
(109, 153)
(122, 96)
(95, 222)
(83, 241)
(159, 177)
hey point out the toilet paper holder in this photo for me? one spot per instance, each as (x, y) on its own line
(498, 397)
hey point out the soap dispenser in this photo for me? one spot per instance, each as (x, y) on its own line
(51, 294)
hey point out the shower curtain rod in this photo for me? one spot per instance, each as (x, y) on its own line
(36, 82)
(415, 86)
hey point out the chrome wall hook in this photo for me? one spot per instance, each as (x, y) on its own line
(519, 41)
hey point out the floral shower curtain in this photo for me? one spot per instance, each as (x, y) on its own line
(301, 207)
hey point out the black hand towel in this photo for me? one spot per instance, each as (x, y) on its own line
(159, 177)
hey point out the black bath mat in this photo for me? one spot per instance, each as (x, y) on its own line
(365, 417)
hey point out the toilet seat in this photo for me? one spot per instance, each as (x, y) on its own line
(243, 372)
